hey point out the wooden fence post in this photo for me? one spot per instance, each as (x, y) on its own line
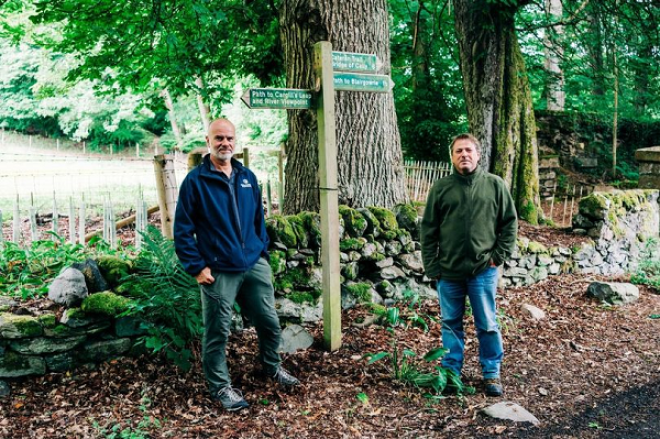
(16, 230)
(2, 236)
(167, 192)
(72, 221)
(81, 223)
(56, 219)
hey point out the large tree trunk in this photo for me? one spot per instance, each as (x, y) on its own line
(370, 161)
(498, 98)
(553, 53)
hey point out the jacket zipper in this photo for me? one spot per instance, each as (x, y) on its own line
(236, 216)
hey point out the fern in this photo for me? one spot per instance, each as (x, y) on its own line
(167, 299)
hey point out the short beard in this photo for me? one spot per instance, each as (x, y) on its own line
(223, 157)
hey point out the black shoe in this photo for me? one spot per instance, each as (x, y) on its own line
(493, 387)
(285, 378)
(231, 399)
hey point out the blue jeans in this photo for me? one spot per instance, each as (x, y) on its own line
(481, 290)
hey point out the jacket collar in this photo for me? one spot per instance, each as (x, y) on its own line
(468, 179)
(208, 170)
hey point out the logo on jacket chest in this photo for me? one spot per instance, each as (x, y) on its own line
(245, 183)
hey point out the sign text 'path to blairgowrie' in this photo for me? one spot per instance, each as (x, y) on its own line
(277, 98)
(355, 62)
(358, 82)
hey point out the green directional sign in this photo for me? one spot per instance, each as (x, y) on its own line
(359, 82)
(355, 62)
(277, 98)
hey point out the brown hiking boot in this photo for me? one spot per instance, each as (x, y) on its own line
(493, 387)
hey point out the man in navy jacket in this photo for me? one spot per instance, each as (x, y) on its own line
(220, 238)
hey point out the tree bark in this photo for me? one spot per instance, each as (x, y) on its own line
(370, 161)
(498, 98)
(554, 51)
(204, 109)
(169, 104)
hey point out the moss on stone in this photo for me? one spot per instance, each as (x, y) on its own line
(301, 297)
(536, 247)
(354, 222)
(385, 217)
(105, 303)
(277, 261)
(298, 227)
(406, 215)
(389, 235)
(47, 320)
(351, 244)
(361, 291)
(291, 278)
(113, 268)
(17, 326)
(279, 230)
(312, 223)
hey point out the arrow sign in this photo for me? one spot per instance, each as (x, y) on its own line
(358, 82)
(355, 62)
(277, 98)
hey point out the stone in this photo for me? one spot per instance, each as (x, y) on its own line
(544, 259)
(392, 272)
(387, 262)
(539, 273)
(554, 268)
(16, 326)
(393, 248)
(351, 270)
(14, 365)
(295, 338)
(93, 278)
(76, 318)
(407, 218)
(5, 390)
(60, 362)
(510, 411)
(99, 351)
(286, 308)
(533, 312)
(69, 288)
(412, 261)
(105, 303)
(614, 293)
(311, 313)
(38, 346)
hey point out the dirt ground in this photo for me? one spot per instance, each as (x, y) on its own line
(585, 371)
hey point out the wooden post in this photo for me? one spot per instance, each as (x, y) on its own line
(34, 236)
(269, 199)
(58, 144)
(81, 223)
(56, 218)
(2, 236)
(84, 147)
(167, 192)
(246, 157)
(195, 157)
(328, 196)
(16, 230)
(72, 222)
(137, 149)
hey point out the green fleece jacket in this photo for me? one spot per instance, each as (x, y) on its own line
(468, 222)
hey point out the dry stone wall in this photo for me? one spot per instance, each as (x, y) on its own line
(380, 261)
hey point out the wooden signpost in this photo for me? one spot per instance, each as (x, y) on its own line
(343, 71)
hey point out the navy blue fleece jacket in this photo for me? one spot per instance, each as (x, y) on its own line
(219, 222)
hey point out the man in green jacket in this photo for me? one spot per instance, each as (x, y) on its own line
(468, 230)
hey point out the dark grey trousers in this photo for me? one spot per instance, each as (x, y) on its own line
(254, 293)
